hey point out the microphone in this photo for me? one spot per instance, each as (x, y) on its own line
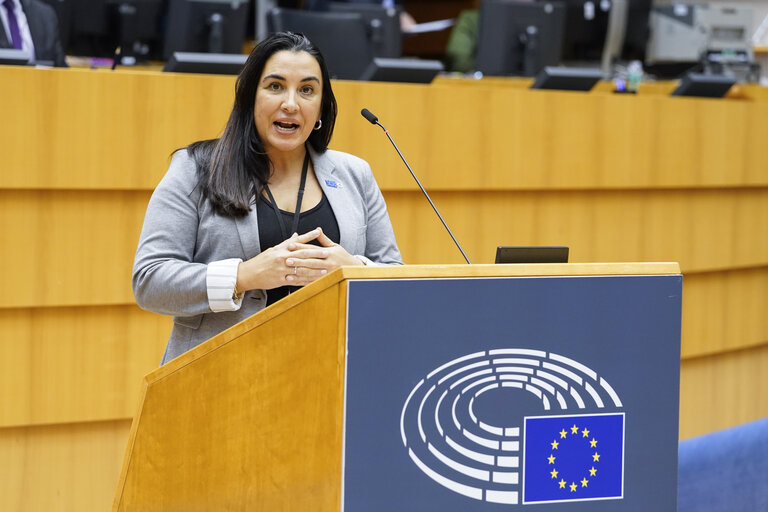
(375, 120)
(371, 118)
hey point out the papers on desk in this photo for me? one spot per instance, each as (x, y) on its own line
(430, 26)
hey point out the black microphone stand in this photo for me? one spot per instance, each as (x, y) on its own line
(375, 120)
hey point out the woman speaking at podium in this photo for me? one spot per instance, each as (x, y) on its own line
(240, 221)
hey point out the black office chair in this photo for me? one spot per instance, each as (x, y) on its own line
(341, 36)
(382, 26)
(63, 10)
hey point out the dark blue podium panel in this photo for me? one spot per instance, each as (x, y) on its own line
(548, 393)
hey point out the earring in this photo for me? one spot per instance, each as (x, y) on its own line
(318, 124)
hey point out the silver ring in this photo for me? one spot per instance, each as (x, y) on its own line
(294, 270)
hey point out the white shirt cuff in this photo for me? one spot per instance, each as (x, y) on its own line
(366, 261)
(220, 280)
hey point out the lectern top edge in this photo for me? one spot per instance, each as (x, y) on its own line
(507, 270)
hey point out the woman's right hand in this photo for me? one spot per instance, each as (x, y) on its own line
(268, 269)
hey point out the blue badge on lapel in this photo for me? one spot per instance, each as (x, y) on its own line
(332, 184)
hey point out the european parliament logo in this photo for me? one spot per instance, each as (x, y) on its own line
(510, 426)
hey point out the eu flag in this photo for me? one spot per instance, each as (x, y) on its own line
(573, 458)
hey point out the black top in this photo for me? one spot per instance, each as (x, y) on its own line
(269, 231)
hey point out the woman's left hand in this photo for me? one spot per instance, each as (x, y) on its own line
(335, 255)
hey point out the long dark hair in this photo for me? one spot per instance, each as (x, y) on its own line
(235, 167)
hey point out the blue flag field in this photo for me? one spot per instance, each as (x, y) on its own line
(573, 458)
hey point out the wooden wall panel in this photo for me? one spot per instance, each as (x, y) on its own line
(77, 247)
(61, 248)
(115, 130)
(77, 128)
(701, 229)
(496, 137)
(63, 365)
(720, 391)
(724, 311)
(57, 468)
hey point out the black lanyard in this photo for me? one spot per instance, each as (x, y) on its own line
(297, 213)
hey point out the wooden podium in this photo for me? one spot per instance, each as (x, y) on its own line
(312, 404)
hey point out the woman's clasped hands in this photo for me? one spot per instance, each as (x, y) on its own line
(293, 262)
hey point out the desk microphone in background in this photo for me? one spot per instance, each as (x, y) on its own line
(116, 57)
(375, 120)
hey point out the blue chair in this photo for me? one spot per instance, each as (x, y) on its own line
(725, 471)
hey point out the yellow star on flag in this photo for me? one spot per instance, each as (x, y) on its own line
(596, 457)
(551, 459)
(555, 444)
(574, 429)
(553, 473)
(592, 443)
(585, 432)
(573, 487)
(584, 482)
(563, 433)
(592, 471)
(562, 483)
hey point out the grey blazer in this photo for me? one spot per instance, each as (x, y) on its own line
(182, 234)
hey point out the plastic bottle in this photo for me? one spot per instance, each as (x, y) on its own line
(635, 75)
